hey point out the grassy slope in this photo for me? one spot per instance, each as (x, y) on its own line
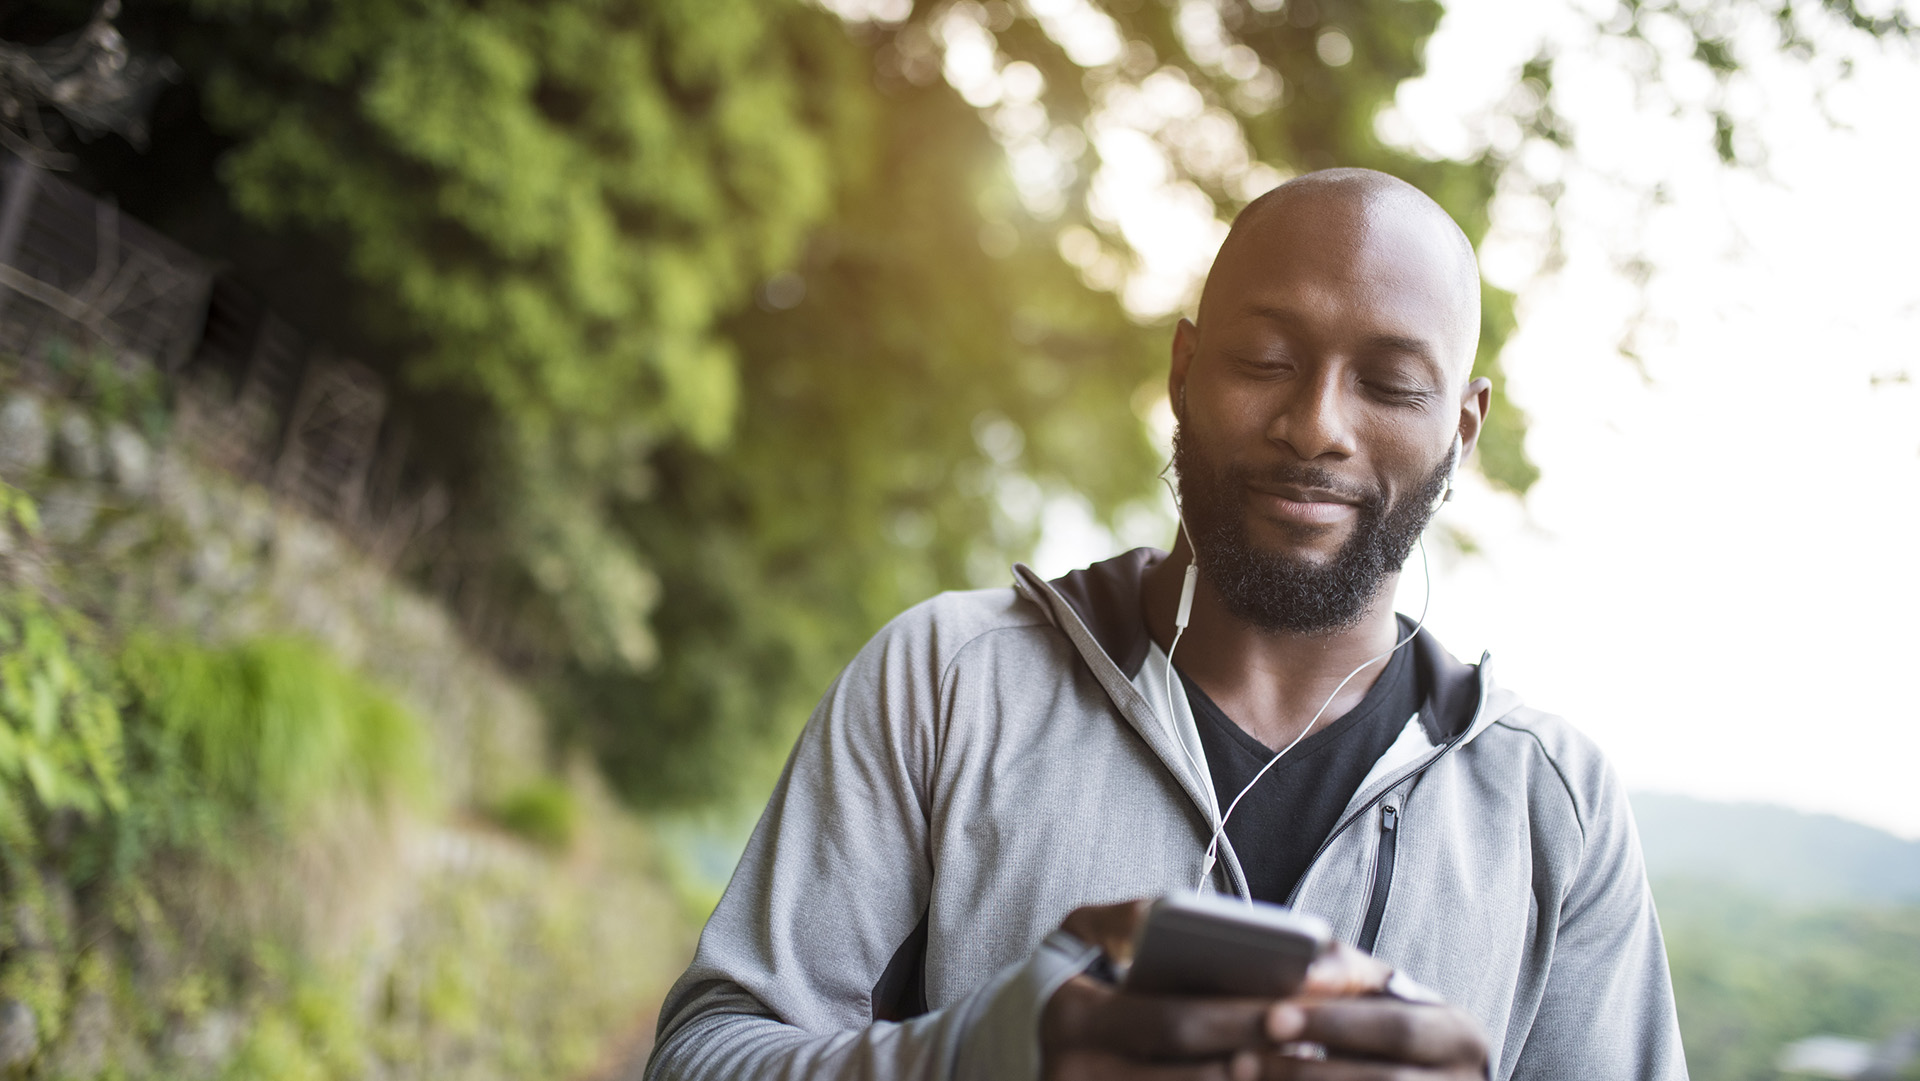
(227, 852)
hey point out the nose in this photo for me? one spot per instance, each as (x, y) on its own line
(1314, 416)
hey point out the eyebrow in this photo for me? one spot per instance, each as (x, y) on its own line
(1378, 343)
(1400, 343)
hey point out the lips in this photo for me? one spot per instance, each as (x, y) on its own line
(1306, 506)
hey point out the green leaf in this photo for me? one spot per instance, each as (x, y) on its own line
(9, 750)
(45, 708)
(43, 775)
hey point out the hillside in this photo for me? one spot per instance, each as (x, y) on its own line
(1775, 852)
(264, 811)
(1780, 925)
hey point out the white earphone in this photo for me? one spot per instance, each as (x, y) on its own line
(1188, 583)
(1185, 612)
(1454, 452)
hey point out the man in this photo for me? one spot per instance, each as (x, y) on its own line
(996, 762)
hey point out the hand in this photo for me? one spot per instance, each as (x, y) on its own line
(1371, 1039)
(1339, 1028)
(1326, 1033)
(1091, 1030)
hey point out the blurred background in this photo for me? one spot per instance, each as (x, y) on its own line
(449, 446)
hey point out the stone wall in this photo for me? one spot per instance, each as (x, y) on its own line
(442, 945)
(150, 536)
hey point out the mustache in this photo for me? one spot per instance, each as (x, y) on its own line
(1286, 474)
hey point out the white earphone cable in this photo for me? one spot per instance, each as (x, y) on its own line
(1180, 626)
(1220, 827)
(1200, 775)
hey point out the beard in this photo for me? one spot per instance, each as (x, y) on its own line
(1279, 593)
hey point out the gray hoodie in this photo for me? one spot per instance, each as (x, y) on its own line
(994, 759)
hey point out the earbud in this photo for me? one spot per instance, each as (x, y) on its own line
(1453, 470)
(1189, 582)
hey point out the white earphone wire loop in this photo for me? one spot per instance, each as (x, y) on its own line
(1220, 825)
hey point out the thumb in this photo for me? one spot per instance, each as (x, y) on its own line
(1110, 927)
(1345, 972)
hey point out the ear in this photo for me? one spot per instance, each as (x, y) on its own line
(1474, 403)
(1186, 341)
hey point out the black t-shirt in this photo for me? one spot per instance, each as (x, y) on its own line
(1280, 825)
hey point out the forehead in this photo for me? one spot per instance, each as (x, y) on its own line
(1342, 269)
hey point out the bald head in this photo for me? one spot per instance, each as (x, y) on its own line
(1362, 230)
(1324, 397)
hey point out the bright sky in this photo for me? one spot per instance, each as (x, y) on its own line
(1717, 575)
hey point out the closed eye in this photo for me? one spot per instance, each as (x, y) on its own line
(1268, 363)
(1398, 393)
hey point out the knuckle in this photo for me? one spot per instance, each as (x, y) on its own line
(1169, 1028)
(1402, 1030)
(1189, 1029)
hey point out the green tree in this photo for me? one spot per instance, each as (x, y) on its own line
(732, 323)
(891, 419)
(544, 206)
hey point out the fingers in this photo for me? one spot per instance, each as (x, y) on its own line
(1344, 971)
(1168, 1027)
(1110, 927)
(1383, 1029)
(1086, 1014)
(1106, 1066)
(1090, 1029)
(1276, 1068)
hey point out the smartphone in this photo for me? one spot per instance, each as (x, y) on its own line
(1209, 944)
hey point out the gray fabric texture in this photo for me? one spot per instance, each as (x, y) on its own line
(984, 764)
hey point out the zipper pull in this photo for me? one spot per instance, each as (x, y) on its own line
(1389, 818)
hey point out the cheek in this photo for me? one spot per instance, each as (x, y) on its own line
(1241, 417)
(1225, 428)
(1250, 424)
(1401, 452)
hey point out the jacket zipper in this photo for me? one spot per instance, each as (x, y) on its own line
(1293, 898)
(1382, 875)
(1383, 866)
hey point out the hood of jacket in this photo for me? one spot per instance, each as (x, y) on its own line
(1105, 599)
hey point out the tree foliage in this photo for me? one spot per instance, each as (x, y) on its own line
(548, 206)
(739, 330)
(898, 425)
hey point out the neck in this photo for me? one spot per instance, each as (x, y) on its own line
(1271, 683)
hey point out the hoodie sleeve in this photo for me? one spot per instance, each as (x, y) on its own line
(1607, 1007)
(834, 880)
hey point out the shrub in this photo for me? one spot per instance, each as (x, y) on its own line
(543, 812)
(265, 729)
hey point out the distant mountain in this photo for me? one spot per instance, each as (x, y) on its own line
(1775, 852)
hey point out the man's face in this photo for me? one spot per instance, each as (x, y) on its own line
(1274, 589)
(1318, 402)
